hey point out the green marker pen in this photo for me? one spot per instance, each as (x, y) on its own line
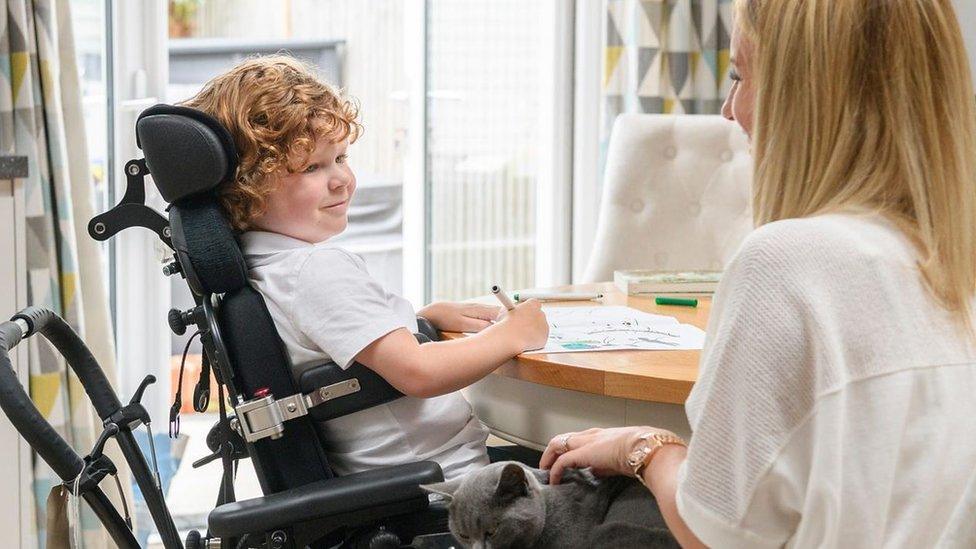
(682, 301)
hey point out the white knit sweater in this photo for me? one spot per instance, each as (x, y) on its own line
(836, 403)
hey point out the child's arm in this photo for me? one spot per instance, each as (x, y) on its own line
(443, 367)
(460, 317)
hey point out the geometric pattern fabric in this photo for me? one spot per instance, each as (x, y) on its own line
(664, 56)
(38, 82)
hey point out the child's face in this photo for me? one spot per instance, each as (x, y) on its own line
(311, 204)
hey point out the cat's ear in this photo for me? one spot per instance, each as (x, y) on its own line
(513, 483)
(446, 489)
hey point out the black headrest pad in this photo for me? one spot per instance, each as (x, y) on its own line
(187, 151)
(205, 246)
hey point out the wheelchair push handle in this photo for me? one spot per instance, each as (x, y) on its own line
(18, 406)
(76, 353)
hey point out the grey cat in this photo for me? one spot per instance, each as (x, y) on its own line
(508, 505)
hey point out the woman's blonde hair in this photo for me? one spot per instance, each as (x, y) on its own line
(275, 108)
(868, 105)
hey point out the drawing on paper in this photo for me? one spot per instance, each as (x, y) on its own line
(575, 329)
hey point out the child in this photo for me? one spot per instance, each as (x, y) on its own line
(290, 196)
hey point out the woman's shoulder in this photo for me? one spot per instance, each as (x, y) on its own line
(833, 244)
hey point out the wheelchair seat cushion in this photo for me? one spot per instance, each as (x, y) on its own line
(208, 251)
(187, 151)
(358, 492)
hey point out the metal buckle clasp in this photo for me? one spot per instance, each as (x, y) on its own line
(265, 417)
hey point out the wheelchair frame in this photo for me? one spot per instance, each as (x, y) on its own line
(260, 417)
(119, 421)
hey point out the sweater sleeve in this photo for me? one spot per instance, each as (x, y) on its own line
(755, 385)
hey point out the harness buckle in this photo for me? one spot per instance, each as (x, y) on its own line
(265, 417)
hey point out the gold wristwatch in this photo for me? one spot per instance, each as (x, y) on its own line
(647, 445)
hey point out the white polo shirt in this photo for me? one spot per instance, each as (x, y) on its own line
(326, 306)
(836, 400)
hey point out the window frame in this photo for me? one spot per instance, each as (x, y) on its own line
(586, 192)
(140, 293)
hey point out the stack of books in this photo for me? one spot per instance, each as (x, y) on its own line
(637, 282)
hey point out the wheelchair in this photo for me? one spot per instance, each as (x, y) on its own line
(267, 411)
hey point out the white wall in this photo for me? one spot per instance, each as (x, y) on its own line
(966, 12)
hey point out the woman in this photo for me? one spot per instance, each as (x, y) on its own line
(835, 401)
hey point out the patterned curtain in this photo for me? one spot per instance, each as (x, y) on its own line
(664, 56)
(41, 118)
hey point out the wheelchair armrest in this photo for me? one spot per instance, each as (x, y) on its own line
(426, 328)
(324, 498)
(373, 389)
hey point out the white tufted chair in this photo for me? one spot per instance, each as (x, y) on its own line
(676, 195)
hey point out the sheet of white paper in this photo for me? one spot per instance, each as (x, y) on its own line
(584, 329)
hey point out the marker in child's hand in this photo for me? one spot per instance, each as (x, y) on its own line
(503, 297)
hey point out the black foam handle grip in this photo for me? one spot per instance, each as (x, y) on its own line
(25, 417)
(79, 358)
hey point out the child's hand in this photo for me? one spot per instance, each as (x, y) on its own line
(528, 323)
(460, 317)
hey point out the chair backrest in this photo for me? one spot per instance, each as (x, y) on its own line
(676, 195)
(188, 154)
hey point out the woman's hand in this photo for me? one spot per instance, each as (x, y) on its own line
(605, 450)
(460, 317)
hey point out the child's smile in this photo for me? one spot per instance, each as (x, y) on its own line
(341, 206)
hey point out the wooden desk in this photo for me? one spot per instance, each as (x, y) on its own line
(534, 397)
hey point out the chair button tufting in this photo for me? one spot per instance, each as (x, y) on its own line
(637, 206)
(694, 208)
(670, 152)
(726, 156)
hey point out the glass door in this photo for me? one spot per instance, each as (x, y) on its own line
(498, 145)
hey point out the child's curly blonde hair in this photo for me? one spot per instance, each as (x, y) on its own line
(275, 109)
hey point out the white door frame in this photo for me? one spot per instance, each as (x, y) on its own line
(415, 226)
(586, 130)
(554, 191)
(142, 293)
(16, 517)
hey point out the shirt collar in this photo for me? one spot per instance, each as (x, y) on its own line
(263, 242)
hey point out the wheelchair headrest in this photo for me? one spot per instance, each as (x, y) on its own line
(206, 247)
(187, 151)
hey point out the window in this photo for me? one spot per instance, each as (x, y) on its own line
(486, 64)
(499, 145)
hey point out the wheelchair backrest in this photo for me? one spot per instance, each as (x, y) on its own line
(189, 154)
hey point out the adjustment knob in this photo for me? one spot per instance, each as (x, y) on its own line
(193, 540)
(172, 268)
(176, 322)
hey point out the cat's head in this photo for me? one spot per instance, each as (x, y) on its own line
(499, 506)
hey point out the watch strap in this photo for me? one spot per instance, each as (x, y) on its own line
(649, 444)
